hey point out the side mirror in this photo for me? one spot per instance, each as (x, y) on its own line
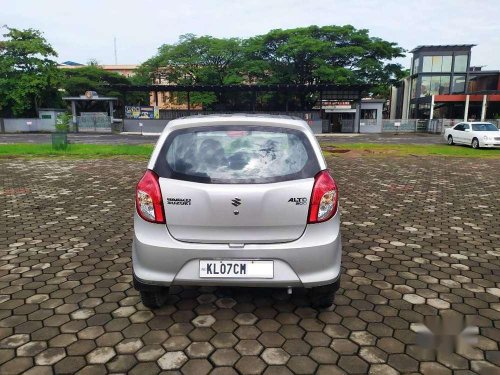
(467, 130)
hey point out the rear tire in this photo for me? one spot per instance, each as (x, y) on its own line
(450, 140)
(475, 143)
(324, 296)
(152, 296)
(155, 299)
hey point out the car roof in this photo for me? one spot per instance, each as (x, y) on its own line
(475, 122)
(246, 115)
(239, 119)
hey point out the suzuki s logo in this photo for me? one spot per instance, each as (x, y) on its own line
(236, 202)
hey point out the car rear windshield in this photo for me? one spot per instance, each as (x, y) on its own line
(486, 127)
(235, 154)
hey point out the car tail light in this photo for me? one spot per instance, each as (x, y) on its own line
(324, 198)
(148, 198)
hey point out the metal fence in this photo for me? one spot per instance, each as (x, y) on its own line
(434, 126)
(439, 125)
(94, 123)
(404, 126)
(168, 114)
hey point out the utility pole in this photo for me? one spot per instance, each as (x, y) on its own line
(116, 56)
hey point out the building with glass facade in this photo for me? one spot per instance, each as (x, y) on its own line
(441, 78)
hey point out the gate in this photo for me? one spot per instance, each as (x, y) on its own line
(94, 122)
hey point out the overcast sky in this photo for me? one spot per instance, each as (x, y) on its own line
(80, 30)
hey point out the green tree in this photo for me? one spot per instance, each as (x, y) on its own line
(93, 78)
(28, 75)
(340, 55)
(200, 60)
(330, 54)
(196, 60)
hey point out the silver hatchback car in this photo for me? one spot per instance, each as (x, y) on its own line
(237, 200)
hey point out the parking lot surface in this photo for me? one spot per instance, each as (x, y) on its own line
(421, 240)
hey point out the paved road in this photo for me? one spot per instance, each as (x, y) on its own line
(421, 242)
(138, 139)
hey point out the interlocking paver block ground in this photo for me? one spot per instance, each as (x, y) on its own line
(421, 241)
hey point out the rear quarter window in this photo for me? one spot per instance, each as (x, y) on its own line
(237, 154)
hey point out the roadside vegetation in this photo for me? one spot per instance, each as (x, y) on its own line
(330, 149)
(75, 150)
(380, 150)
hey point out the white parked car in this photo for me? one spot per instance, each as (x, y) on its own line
(475, 134)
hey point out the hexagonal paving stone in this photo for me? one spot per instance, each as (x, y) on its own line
(403, 362)
(434, 368)
(144, 368)
(317, 339)
(250, 365)
(199, 350)
(245, 319)
(224, 326)
(100, 355)
(50, 356)
(302, 365)
(176, 343)
(31, 348)
(363, 338)
(271, 339)
(268, 325)
(277, 370)
(203, 321)
(383, 370)
(172, 360)
(224, 340)
(81, 347)
(353, 364)
(323, 355)
(297, 347)
(91, 332)
(16, 365)
(373, 354)
(414, 298)
(226, 303)
(109, 339)
(122, 363)
(249, 347)
(63, 340)
(390, 345)
(14, 341)
(69, 365)
(344, 346)
(197, 367)
(150, 353)
(129, 346)
(275, 356)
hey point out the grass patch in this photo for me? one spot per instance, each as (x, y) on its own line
(369, 149)
(75, 150)
(348, 149)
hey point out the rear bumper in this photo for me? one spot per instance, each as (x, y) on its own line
(312, 260)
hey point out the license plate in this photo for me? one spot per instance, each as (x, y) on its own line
(258, 269)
